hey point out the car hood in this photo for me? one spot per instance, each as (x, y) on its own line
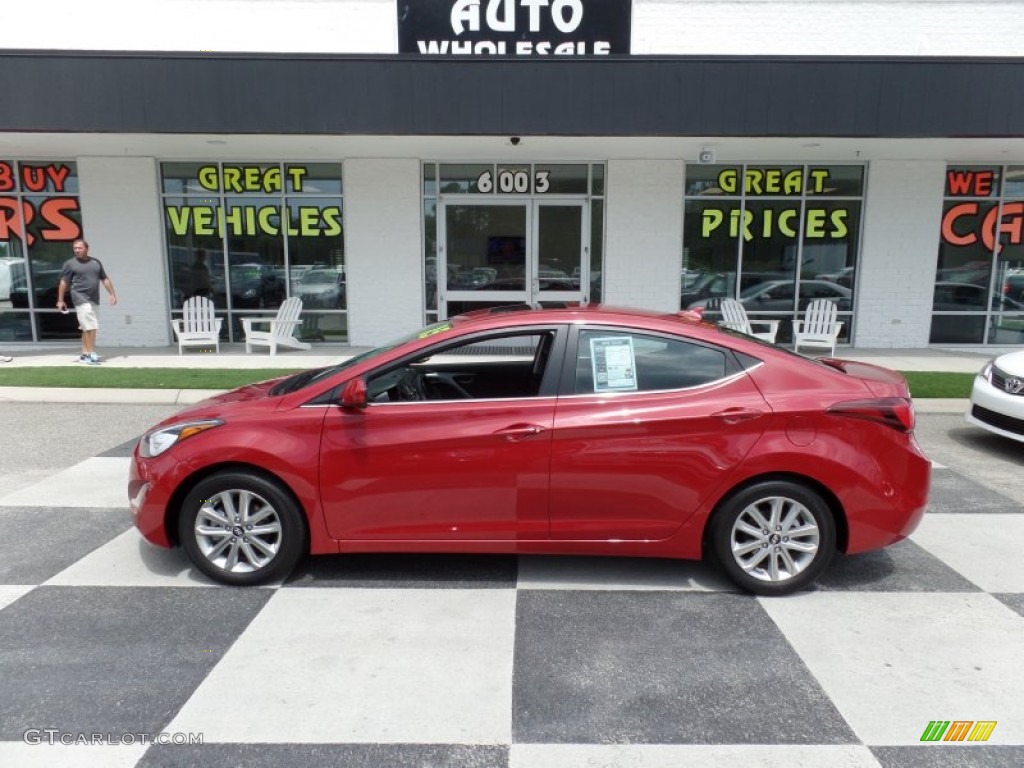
(881, 382)
(220, 405)
(1013, 363)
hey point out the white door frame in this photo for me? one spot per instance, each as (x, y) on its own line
(531, 292)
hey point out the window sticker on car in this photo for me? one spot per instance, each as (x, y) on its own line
(614, 363)
(433, 331)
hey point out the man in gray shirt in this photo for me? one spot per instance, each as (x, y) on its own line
(84, 274)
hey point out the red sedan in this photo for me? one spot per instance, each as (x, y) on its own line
(555, 431)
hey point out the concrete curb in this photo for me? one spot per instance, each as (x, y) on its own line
(101, 395)
(942, 405)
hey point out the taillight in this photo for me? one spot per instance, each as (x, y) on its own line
(895, 412)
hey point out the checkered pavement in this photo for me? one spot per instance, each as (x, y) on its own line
(530, 662)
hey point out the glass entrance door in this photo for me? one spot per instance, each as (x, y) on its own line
(512, 252)
(561, 270)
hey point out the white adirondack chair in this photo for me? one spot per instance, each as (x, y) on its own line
(281, 332)
(198, 326)
(819, 328)
(734, 315)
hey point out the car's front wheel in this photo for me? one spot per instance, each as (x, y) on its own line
(242, 529)
(774, 537)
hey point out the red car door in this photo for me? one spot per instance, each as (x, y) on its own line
(636, 462)
(448, 470)
(466, 456)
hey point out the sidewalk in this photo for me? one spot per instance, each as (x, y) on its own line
(233, 356)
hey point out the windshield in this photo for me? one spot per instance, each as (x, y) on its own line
(320, 276)
(306, 378)
(757, 288)
(245, 272)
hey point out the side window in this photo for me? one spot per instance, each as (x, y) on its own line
(610, 361)
(506, 366)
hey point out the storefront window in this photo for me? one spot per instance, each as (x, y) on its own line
(40, 218)
(979, 278)
(249, 235)
(764, 235)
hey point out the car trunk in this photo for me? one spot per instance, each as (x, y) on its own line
(881, 382)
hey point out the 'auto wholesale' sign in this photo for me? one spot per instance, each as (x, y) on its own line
(514, 27)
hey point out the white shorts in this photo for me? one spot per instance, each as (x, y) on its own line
(87, 319)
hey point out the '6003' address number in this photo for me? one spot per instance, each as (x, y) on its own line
(513, 182)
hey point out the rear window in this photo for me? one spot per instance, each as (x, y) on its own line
(623, 361)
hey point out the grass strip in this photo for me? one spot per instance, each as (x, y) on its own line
(928, 384)
(923, 384)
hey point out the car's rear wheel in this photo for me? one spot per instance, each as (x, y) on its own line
(242, 529)
(774, 537)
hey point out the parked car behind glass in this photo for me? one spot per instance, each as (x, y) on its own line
(252, 286)
(321, 288)
(52, 324)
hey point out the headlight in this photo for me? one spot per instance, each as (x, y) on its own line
(986, 372)
(159, 440)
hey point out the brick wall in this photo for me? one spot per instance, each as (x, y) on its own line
(643, 249)
(383, 212)
(741, 27)
(121, 220)
(901, 238)
(828, 27)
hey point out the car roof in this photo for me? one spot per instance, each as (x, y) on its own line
(520, 314)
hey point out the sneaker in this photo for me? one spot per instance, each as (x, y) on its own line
(90, 361)
(5, 359)
(94, 358)
(82, 359)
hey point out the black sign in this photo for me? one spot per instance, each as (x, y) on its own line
(514, 27)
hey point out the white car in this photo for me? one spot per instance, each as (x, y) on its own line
(321, 288)
(12, 275)
(997, 398)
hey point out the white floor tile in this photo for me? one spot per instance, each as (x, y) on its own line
(984, 548)
(96, 482)
(893, 662)
(690, 756)
(130, 561)
(631, 573)
(47, 755)
(366, 665)
(11, 592)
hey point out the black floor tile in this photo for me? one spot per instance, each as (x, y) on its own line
(115, 660)
(37, 543)
(661, 668)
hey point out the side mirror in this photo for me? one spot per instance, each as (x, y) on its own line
(354, 394)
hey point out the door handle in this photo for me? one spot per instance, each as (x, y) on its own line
(518, 432)
(736, 415)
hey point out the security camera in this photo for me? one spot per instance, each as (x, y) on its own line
(515, 141)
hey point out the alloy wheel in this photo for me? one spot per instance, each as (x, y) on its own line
(774, 539)
(238, 531)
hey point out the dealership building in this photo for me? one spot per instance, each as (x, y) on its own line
(397, 162)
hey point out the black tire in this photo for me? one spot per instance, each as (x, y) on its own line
(244, 553)
(770, 559)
